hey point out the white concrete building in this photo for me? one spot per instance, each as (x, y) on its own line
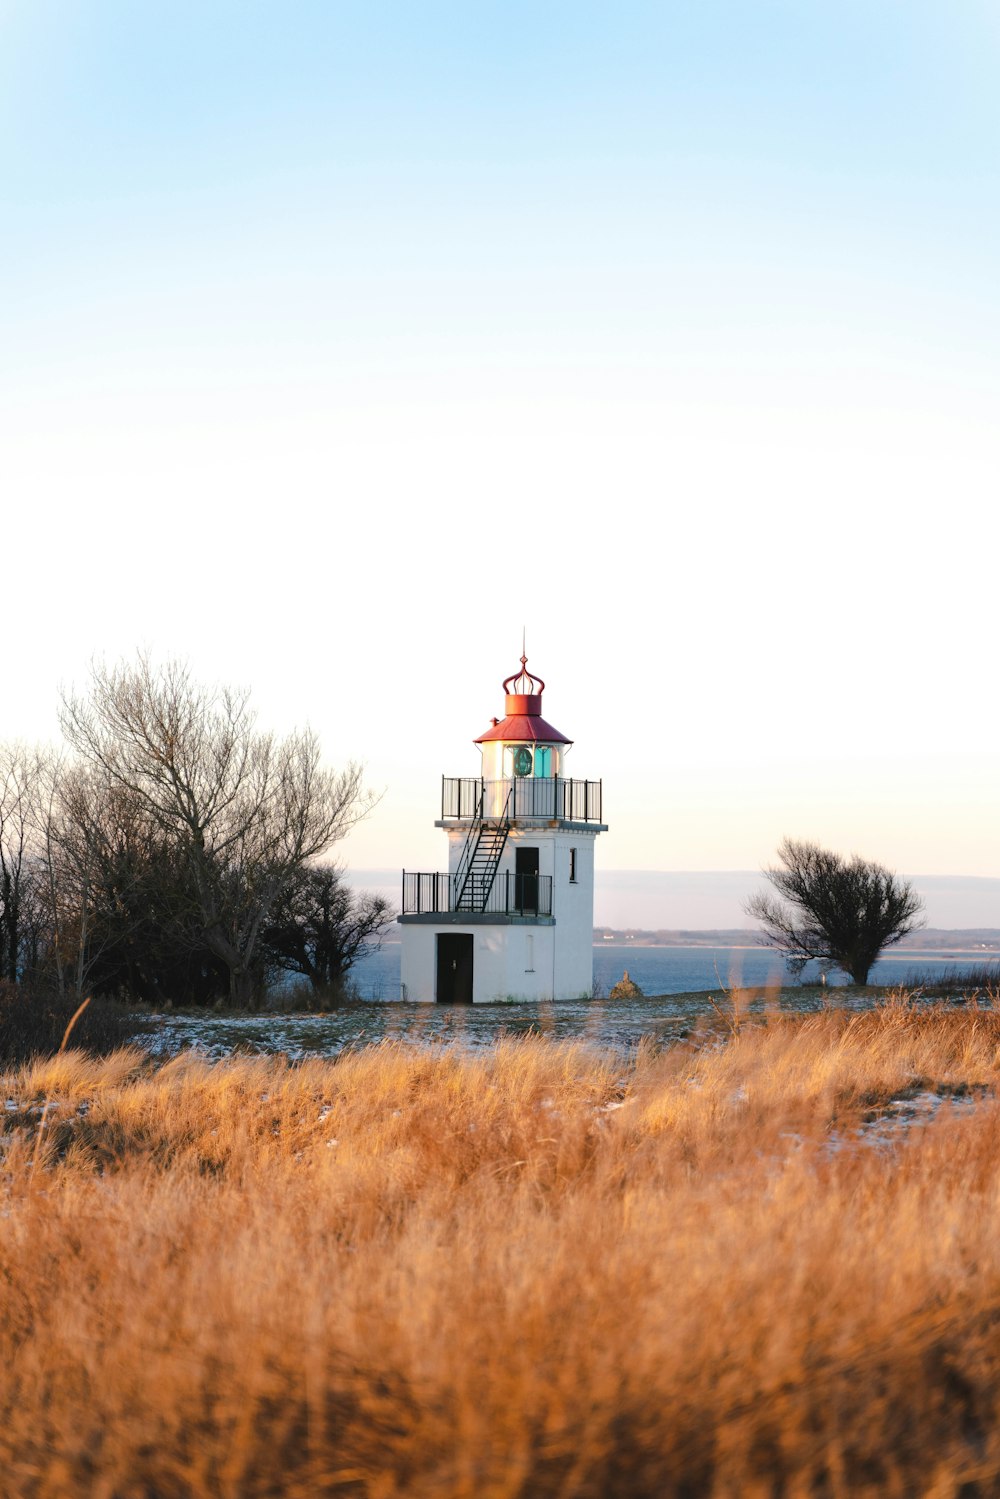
(513, 917)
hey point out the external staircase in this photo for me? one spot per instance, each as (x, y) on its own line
(480, 859)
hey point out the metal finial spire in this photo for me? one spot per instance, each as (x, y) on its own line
(523, 682)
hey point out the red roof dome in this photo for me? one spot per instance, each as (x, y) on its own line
(524, 723)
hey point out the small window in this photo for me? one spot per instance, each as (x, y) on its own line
(543, 761)
(572, 866)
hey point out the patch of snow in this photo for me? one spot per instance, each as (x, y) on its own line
(904, 1114)
(900, 1115)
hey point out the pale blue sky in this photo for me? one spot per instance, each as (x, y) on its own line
(374, 331)
(816, 144)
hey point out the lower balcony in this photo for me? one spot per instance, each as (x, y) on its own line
(528, 896)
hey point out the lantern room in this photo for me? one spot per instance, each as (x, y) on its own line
(522, 743)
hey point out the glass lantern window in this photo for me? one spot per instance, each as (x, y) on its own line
(522, 760)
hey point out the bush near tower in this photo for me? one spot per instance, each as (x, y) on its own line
(841, 911)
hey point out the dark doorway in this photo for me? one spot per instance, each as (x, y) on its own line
(526, 880)
(454, 968)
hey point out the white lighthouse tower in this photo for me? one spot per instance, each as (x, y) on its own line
(513, 918)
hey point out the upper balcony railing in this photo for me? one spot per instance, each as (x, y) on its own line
(532, 799)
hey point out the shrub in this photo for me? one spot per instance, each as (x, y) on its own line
(33, 1023)
(626, 988)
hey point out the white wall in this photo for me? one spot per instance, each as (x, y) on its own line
(417, 962)
(526, 955)
(492, 767)
(509, 961)
(573, 909)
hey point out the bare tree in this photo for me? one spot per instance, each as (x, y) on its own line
(842, 910)
(320, 928)
(97, 847)
(18, 775)
(245, 810)
(48, 815)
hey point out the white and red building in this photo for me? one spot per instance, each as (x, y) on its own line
(513, 917)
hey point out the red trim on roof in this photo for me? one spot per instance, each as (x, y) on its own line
(519, 728)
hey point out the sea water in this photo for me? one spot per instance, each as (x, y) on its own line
(683, 970)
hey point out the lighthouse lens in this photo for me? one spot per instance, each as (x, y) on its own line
(522, 761)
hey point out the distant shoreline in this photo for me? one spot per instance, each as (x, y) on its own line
(966, 942)
(969, 941)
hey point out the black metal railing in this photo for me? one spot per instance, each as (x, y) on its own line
(460, 797)
(537, 798)
(510, 895)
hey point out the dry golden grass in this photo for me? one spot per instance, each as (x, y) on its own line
(428, 1273)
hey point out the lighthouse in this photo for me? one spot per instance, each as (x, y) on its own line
(513, 916)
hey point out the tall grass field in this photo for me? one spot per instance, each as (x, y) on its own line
(763, 1261)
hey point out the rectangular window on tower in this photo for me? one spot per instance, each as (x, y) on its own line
(572, 866)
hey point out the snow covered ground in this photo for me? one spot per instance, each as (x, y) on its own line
(618, 1024)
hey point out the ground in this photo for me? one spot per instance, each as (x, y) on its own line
(763, 1259)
